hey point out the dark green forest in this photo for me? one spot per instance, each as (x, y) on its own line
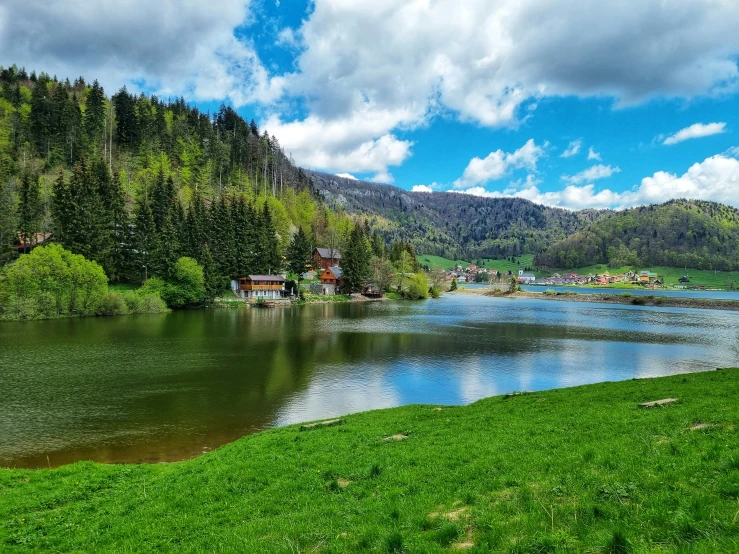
(453, 225)
(679, 233)
(135, 182)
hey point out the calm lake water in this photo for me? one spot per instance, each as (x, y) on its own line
(168, 387)
(716, 294)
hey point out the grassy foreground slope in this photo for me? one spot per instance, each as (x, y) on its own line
(572, 470)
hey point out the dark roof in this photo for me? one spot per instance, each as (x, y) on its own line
(326, 254)
(276, 278)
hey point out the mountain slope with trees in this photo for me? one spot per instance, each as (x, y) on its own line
(679, 233)
(456, 226)
(136, 182)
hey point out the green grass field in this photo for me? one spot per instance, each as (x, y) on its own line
(573, 470)
(711, 279)
(437, 262)
(698, 277)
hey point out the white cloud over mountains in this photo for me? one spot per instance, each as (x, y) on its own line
(716, 179)
(176, 47)
(498, 164)
(594, 173)
(407, 59)
(366, 71)
(697, 130)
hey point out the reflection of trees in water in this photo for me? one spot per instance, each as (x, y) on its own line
(171, 383)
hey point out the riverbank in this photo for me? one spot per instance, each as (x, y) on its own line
(235, 302)
(581, 469)
(625, 299)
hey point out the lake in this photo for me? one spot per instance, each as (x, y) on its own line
(154, 388)
(671, 293)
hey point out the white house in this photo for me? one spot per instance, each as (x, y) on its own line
(526, 277)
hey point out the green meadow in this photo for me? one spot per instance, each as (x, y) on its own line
(437, 262)
(572, 470)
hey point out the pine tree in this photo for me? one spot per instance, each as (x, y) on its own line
(166, 250)
(8, 235)
(29, 208)
(41, 113)
(299, 253)
(94, 120)
(356, 261)
(144, 239)
(214, 283)
(118, 220)
(269, 259)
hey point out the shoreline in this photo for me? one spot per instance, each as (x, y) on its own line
(630, 300)
(337, 483)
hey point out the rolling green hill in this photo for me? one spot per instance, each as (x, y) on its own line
(679, 233)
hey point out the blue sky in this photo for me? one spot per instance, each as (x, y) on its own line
(606, 104)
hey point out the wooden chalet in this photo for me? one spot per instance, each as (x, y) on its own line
(332, 280)
(324, 258)
(25, 244)
(259, 287)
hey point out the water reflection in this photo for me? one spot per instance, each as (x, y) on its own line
(166, 387)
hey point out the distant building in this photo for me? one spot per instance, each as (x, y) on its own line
(323, 258)
(525, 277)
(259, 287)
(37, 239)
(332, 280)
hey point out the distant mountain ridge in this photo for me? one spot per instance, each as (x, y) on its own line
(452, 225)
(678, 233)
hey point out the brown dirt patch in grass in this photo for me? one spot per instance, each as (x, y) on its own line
(398, 437)
(452, 515)
(343, 483)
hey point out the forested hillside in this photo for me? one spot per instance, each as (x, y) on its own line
(679, 233)
(455, 226)
(134, 182)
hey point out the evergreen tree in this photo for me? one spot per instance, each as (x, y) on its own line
(299, 253)
(221, 238)
(62, 210)
(214, 283)
(119, 224)
(94, 120)
(8, 235)
(41, 114)
(270, 260)
(355, 262)
(144, 239)
(29, 208)
(195, 231)
(166, 249)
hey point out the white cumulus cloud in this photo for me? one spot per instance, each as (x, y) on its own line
(572, 149)
(594, 173)
(498, 164)
(593, 155)
(715, 179)
(421, 188)
(697, 130)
